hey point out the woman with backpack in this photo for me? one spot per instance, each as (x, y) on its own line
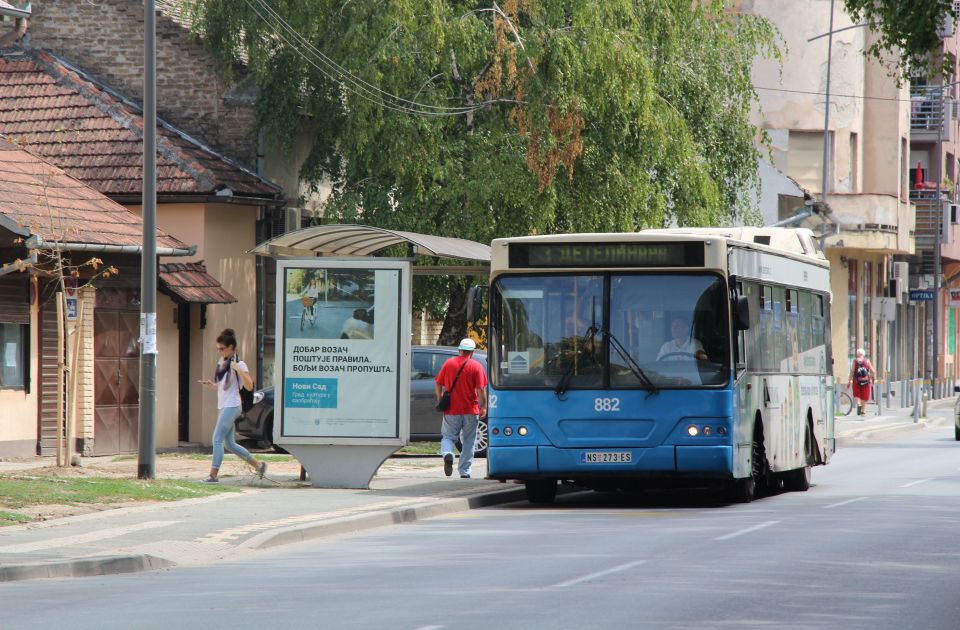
(231, 375)
(861, 375)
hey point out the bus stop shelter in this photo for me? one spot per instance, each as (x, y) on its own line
(340, 436)
(342, 240)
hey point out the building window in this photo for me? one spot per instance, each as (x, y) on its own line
(854, 187)
(14, 356)
(805, 159)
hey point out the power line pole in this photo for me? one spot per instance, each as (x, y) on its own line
(146, 463)
(825, 180)
(936, 247)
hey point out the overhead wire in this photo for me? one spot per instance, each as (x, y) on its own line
(340, 75)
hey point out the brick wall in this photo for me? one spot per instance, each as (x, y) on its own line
(105, 39)
(85, 367)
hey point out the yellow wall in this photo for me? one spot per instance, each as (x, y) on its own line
(167, 373)
(222, 233)
(18, 409)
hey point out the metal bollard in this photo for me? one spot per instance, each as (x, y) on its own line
(916, 401)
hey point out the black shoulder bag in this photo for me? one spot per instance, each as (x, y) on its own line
(246, 395)
(444, 403)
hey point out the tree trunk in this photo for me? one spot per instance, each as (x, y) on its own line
(455, 321)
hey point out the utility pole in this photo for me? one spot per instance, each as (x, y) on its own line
(146, 463)
(825, 179)
(936, 247)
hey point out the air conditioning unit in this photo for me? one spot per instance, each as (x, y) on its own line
(901, 270)
(291, 219)
(897, 288)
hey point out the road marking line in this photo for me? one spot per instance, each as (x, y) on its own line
(593, 576)
(917, 482)
(67, 541)
(847, 502)
(746, 531)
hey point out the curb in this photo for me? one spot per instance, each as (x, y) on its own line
(85, 567)
(113, 565)
(361, 522)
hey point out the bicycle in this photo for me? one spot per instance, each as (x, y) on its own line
(844, 404)
(306, 313)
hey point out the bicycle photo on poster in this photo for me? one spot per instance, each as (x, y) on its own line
(329, 304)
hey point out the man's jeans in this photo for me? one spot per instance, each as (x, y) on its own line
(465, 428)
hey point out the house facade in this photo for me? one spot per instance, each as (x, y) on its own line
(52, 226)
(94, 133)
(864, 214)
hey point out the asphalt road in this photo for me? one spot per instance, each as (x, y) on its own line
(871, 545)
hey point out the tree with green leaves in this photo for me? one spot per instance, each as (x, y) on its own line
(483, 119)
(909, 30)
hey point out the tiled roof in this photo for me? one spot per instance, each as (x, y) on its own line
(190, 282)
(39, 198)
(96, 136)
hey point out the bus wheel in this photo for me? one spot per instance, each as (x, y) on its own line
(541, 490)
(745, 490)
(799, 480)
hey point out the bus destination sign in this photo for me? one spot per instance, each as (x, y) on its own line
(607, 254)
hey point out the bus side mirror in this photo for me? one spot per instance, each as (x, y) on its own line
(741, 313)
(475, 304)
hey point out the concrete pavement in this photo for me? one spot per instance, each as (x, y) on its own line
(265, 514)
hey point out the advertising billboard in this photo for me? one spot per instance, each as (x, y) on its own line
(343, 351)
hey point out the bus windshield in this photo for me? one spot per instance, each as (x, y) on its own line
(627, 330)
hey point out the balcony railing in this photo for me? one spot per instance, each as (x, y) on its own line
(929, 114)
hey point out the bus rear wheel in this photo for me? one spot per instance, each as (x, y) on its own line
(745, 490)
(541, 490)
(799, 480)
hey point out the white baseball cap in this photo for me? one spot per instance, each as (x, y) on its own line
(467, 344)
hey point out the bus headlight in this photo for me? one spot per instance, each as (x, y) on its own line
(693, 431)
(722, 430)
(507, 431)
(707, 430)
(522, 431)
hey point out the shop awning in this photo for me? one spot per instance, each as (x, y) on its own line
(190, 283)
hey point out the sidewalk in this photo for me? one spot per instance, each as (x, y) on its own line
(267, 514)
(263, 515)
(851, 428)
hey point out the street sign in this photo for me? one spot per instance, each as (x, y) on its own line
(883, 309)
(954, 298)
(921, 295)
(70, 293)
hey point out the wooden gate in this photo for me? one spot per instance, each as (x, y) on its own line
(116, 381)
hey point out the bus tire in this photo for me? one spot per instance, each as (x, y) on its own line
(745, 490)
(541, 490)
(799, 480)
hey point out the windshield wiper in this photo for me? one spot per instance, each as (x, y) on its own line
(645, 381)
(564, 382)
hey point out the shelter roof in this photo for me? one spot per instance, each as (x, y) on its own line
(190, 283)
(38, 198)
(366, 240)
(96, 135)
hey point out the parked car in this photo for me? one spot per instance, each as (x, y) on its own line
(426, 361)
(956, 415)
(359, 326)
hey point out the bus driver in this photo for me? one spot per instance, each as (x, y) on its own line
(683, 347)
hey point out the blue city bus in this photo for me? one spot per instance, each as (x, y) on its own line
(694, 357)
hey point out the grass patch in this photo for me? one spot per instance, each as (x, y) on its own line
(421, 448)
(10, 518)
(206, 456)
(19, 491)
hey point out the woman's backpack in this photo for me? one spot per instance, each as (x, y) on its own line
(862, 374)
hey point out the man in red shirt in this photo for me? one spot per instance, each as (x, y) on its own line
(468, 403)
